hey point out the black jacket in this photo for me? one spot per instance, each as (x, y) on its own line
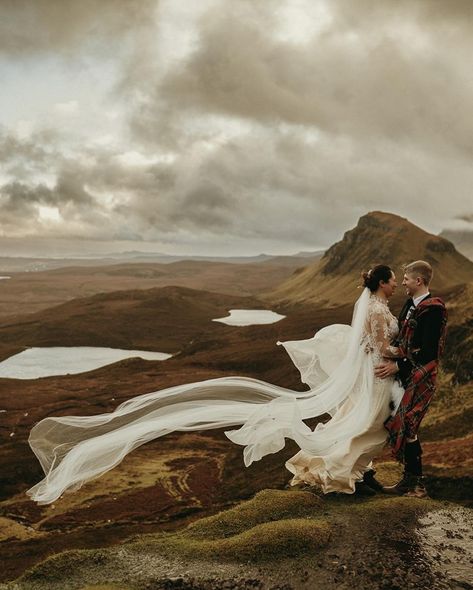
(425, 341)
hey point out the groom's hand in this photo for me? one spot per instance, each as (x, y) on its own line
(386, 369)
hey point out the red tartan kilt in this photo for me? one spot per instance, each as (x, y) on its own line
(415, 401)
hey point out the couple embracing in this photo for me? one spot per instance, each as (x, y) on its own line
(404, 359)
(374, 379)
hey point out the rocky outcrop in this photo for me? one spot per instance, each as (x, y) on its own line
(378, 238)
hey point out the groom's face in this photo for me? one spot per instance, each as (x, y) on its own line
(412, 284)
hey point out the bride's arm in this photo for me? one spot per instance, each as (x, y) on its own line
(379, 329)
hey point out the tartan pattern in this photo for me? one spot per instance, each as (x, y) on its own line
(421, 386)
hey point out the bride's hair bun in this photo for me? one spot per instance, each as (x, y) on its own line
(372, 277)
(366, 277)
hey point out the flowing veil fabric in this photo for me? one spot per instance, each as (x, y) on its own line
(334, 363)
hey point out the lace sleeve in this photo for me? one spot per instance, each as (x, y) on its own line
(378, 332)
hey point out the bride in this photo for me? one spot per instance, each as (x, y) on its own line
(338, 366)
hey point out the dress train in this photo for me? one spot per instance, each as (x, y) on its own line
(336, 364)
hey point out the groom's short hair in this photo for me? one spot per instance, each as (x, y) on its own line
(420, 268)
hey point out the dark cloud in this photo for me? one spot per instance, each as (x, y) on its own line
(22, 205)
(65, 25)
(39, 146)
(364, 13)
(17, 196)
(346, 81)
(385, 89)
(206, 205)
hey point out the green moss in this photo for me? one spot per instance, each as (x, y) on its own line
(56, 566)
(271, 524)
(290, 537)
(267, 505)
(388, 472)
(395, 505)
(266, 541)
(371, 509)
(274, 524)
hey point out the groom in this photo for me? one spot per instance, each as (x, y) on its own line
(422, 330)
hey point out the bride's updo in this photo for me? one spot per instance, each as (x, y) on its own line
(372, 277)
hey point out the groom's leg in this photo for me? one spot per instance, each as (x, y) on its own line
(411, 483)
(413, 457)
(414, 468)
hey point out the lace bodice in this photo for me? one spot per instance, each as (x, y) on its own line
(381, 328)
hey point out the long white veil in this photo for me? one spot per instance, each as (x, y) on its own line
(76, 449)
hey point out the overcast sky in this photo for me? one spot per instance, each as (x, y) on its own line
(230, 126)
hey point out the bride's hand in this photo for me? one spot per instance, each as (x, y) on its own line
(386, 369)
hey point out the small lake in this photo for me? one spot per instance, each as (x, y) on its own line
(250, 317)
(61, 360)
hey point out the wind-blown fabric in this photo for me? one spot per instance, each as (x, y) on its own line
(339, 468)
(334, 363)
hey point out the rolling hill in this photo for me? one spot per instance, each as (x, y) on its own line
(29, 292)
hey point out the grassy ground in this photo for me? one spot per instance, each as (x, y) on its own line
(277, 539)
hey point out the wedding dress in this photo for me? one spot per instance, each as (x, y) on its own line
(347, 461)
(338, 366)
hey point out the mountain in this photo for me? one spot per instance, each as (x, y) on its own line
(458, 358)
(311, 254)
(378, 238)
(463, 240)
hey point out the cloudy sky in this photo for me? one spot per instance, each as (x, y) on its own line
(230, 126)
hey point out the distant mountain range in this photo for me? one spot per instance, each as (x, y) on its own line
(137, 255)
(31, 264)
